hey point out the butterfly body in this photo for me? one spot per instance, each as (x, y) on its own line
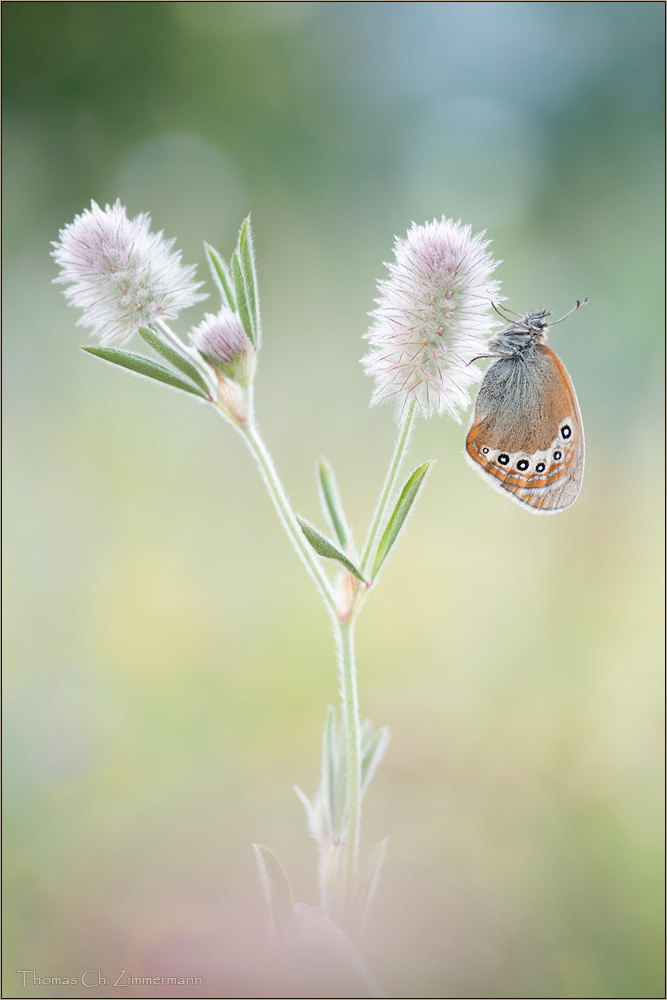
(527, 437)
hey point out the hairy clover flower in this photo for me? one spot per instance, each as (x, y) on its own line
(120, 274)
(432, 319)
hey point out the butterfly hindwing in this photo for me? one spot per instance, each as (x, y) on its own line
(527, 437)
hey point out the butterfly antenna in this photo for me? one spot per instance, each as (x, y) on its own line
(579, 305)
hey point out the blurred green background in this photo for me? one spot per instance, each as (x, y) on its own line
(167, 662)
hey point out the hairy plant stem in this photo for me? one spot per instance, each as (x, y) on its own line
(196, 358)
(286, 514)
(402, 442)
(344, 887)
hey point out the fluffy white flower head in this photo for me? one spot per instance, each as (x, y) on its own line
(120, 274)
(432, 319)
(223, 341)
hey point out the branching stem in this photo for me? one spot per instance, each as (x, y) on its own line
(286, 514)
(343, 891)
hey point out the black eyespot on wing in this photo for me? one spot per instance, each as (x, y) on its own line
(485, 451)
(566, 431)
(523, 464)
(504, 459)
(558, 455)
(540, 467)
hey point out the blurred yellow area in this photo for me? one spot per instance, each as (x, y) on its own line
(167, 662)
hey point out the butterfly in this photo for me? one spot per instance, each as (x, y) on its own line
(526, 437)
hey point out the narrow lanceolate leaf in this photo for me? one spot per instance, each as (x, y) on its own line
(247, 261)
(400, 512)
(331, 502)
(368, 884)
(242, 305)
(276, 886)
(329, 768)
(313, 812)
(221, 276)
(178, 359)
(340, 814)
(365, 735)
(325, 547)
(144, 366)
(371, 755)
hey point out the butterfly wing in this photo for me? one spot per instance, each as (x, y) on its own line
(527, 438)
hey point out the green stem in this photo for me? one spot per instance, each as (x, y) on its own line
(194, 355)
(348, 682)
(286, 514)
(389, 483)
(344, 878)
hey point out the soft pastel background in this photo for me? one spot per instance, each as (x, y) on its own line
(168, 664)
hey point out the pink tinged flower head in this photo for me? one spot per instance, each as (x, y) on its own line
(120, 274)
(224, 343)
(433, 318)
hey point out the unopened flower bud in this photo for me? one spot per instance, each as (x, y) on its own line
(222, 340)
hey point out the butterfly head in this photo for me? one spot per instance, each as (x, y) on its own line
(535, 321)
(520, 334)
(525, 331)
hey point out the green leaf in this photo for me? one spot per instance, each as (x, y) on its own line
(221, 276)
(242, 300)
(340, 816)
(401, 511)
(312, 815)
(324, 547)
(140, 365)
(247, 261)
(331, 502)
(179, 360)
(371, 755)
(329, 767)
(368, 884)
(277, 890)
(365, 734)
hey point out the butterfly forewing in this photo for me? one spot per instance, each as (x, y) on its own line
(527, 437)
